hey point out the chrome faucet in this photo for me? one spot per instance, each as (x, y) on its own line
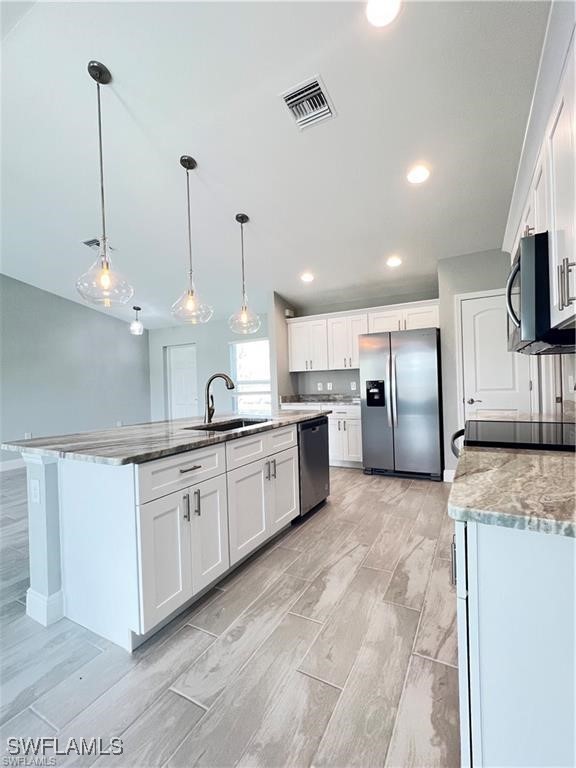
(209, 399)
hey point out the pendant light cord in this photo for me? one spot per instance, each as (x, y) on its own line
(101, 157)
(189, 227)
(243, 277)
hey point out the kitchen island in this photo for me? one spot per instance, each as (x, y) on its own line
(129, 526)
(515, 572)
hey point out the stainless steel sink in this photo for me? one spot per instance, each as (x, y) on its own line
(227, 426)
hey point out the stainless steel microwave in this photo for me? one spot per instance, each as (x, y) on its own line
(528, 302)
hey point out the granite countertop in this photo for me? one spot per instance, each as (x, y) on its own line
(151, 440)
(331, 398)
(532, 490)
(555, 418)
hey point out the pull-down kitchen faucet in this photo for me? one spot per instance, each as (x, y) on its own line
(209, 399)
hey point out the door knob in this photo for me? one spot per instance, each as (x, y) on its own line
(471, 401)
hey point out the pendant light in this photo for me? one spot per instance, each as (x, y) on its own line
(136, 327)
(244, 321)
(189, 307)
(101, 284)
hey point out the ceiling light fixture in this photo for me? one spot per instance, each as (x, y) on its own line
(380, 13)
(244, 321)
(101, 284)
(136, 327)
(306, 277)
(189, 307)
(393, 261)
(418, 174)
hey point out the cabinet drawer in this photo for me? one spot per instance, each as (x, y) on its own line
(282, 438)
(246, 450)
(345, 412)
(158, 478)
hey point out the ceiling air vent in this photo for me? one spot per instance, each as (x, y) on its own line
(309, 103)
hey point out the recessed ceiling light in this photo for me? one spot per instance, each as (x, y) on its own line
(418, 174)
(381, 12)
(306, 277)
(393, 261)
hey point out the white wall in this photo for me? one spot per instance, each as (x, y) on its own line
(65, 367)
(281, 379)
(212, 356)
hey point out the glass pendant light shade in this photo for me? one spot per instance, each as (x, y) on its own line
(136, 327)
(103, 285)
(191, 309)
(244, 321)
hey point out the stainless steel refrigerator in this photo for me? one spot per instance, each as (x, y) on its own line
(401, 401)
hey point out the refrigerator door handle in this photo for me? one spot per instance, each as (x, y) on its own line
(394, 394)
(388, 392)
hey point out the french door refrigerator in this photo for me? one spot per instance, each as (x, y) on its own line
(401, 399)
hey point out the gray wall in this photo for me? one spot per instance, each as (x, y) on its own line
(282, 381)
(472, 272)
(212, 356)
(307, 383)
(65, 367)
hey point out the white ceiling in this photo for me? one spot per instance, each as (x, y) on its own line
(448, 83)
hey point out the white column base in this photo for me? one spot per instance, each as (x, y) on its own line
(45, 609)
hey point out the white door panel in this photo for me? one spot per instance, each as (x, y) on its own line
(357, 325)
(248, 491)
(337, 343)
(209, 532)
(181, 381)
(497, 380)
(285, 501)
(385, 321)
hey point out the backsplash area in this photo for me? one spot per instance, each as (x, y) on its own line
(307, 383)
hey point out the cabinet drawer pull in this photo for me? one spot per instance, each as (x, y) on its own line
(350, 362)
(190, 469)
(197, 502)
(274, 468)
(187, 506)
(453, 561)
(338, 425)
(310, 364)
(568, 265)
(344, 362)
(306, 364)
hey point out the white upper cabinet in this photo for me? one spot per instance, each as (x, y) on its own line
(308, 345)
(388, 320)
(421, 317)
(561, 151)
(404, 318)
(343, 332)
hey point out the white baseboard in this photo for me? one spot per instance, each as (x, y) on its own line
(449, 475)
(44, 609)
(6, 466)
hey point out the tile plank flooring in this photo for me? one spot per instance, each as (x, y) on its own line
(334, 646)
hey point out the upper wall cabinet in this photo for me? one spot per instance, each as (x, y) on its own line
(343, 332)
(406, 318)
(308, 345)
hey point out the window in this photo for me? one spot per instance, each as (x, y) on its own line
(250, 366)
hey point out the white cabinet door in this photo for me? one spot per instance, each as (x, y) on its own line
(420, 317)
(338, 343)
(209, 532)
(298, 347)
(353, 440)
(318, 338)
(335, 439)
(284, 498)
(357, 325)
(390, 320)
(164, 558)
(247, 502)
(540, 194)
(561, 153)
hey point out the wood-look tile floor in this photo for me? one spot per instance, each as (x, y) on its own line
(335, 646)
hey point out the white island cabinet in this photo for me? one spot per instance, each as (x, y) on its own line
(122, 541)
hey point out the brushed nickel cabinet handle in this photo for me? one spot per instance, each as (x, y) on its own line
(306, 364)
(453, 561)
(186, 499)
(310, 364)
(197, 503)
(267, 470)
(190, 469)
(344, 362)
(350, 362)
(274, 468)
(338, 425)
(568, 265)
(560, 270)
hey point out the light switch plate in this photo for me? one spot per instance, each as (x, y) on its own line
(329, 386)
(353, 386)
(319, 386)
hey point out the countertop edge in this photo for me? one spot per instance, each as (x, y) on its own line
(518, 522)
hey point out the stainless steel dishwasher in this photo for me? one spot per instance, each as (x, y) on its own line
(314, 465)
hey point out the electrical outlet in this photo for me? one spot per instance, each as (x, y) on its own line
(329, 386)
(27, 435)
(319, 386)
(353, 386)
(119, 423)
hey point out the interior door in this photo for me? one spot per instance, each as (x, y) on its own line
(181, 381)
(285, 503)
(164, 558)
(209, 531)
(248, 497)
(375, 402)
(495, 381)
(416, 401)
(357, 325)
(338, 349)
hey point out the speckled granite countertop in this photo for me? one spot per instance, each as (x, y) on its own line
(152, 440)
(325, 398)
(533, 490)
